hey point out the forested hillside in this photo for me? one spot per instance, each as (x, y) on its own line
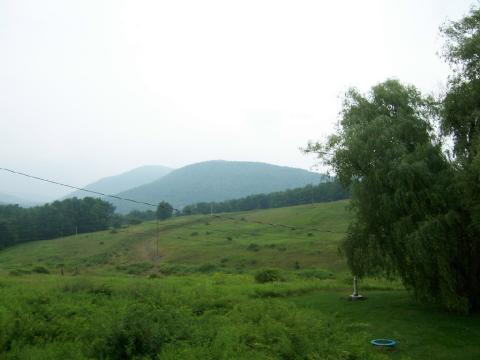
(329, 191)
(217, 181)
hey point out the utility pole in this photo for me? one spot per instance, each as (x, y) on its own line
(312, 193)
(156, 242)
(211, 209)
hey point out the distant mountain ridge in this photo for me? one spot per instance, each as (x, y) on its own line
(124, 181)
(8, 199)
(216, 180)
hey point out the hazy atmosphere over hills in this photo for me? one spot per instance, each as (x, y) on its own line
(12, 199)
(130, 179)
(245, 180)
(92, 89)
(217, 181)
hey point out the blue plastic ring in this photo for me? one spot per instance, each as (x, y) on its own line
(384, 342)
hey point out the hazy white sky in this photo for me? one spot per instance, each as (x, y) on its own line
(91, 88)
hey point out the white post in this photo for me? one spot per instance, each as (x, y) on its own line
(355, 296)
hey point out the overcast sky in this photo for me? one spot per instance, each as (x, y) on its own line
(94, 88)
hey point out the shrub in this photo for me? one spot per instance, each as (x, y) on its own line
(253, 247)
(102, 289)
(40, 270)
(138, 268)
(80, 284)
(18, 272)
(206, 268)
(145, 331)
(268, 275)
(318, 274)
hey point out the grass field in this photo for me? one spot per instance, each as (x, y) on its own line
(196, 296)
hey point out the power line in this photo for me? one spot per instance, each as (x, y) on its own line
(81, 189)
(163, 206)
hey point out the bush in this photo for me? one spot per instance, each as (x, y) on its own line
(40, 270)
(206, 268)
(145, 331)
(18, 272)
(318, 274)
(264, 276)
(253, 247)
(136, 268)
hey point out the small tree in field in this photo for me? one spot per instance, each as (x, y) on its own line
(164, 210)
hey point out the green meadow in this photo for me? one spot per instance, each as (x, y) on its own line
(197, 287)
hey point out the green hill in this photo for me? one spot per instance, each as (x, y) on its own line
(183, 239)
(217, 181)
(127, 180)
(196, 297)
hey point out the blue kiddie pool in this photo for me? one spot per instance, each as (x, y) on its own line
(384, 343)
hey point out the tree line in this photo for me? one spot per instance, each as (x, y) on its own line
(329, 191)
(59, 218)
(71, 216)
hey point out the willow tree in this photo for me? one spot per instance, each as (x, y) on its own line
(407, 217)
(461, 120)
(416, 209)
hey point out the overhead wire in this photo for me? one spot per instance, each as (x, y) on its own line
(162, 205)
(81, 189)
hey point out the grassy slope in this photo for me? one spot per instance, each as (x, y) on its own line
(216, 259)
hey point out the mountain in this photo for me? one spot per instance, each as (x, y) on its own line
(130, 179)
(12, 199)
(216, 180)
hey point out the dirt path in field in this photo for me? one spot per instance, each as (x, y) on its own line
(146, 249)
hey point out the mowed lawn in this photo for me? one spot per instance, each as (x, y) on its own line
(187, 290)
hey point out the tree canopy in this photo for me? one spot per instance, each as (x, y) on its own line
(60, 218)
(416, 208)
(164, 210)
(328, 191)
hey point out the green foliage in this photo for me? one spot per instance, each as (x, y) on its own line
(253, 247)
(164, 211)
(268, 275)
(40, 270)
(461, 120)
(146, 330)
(315, 274)
(199, 309)
(408, 217)
(217, 317)
(324, 192)
(53, 220)
(216, 181)
(136, 268)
